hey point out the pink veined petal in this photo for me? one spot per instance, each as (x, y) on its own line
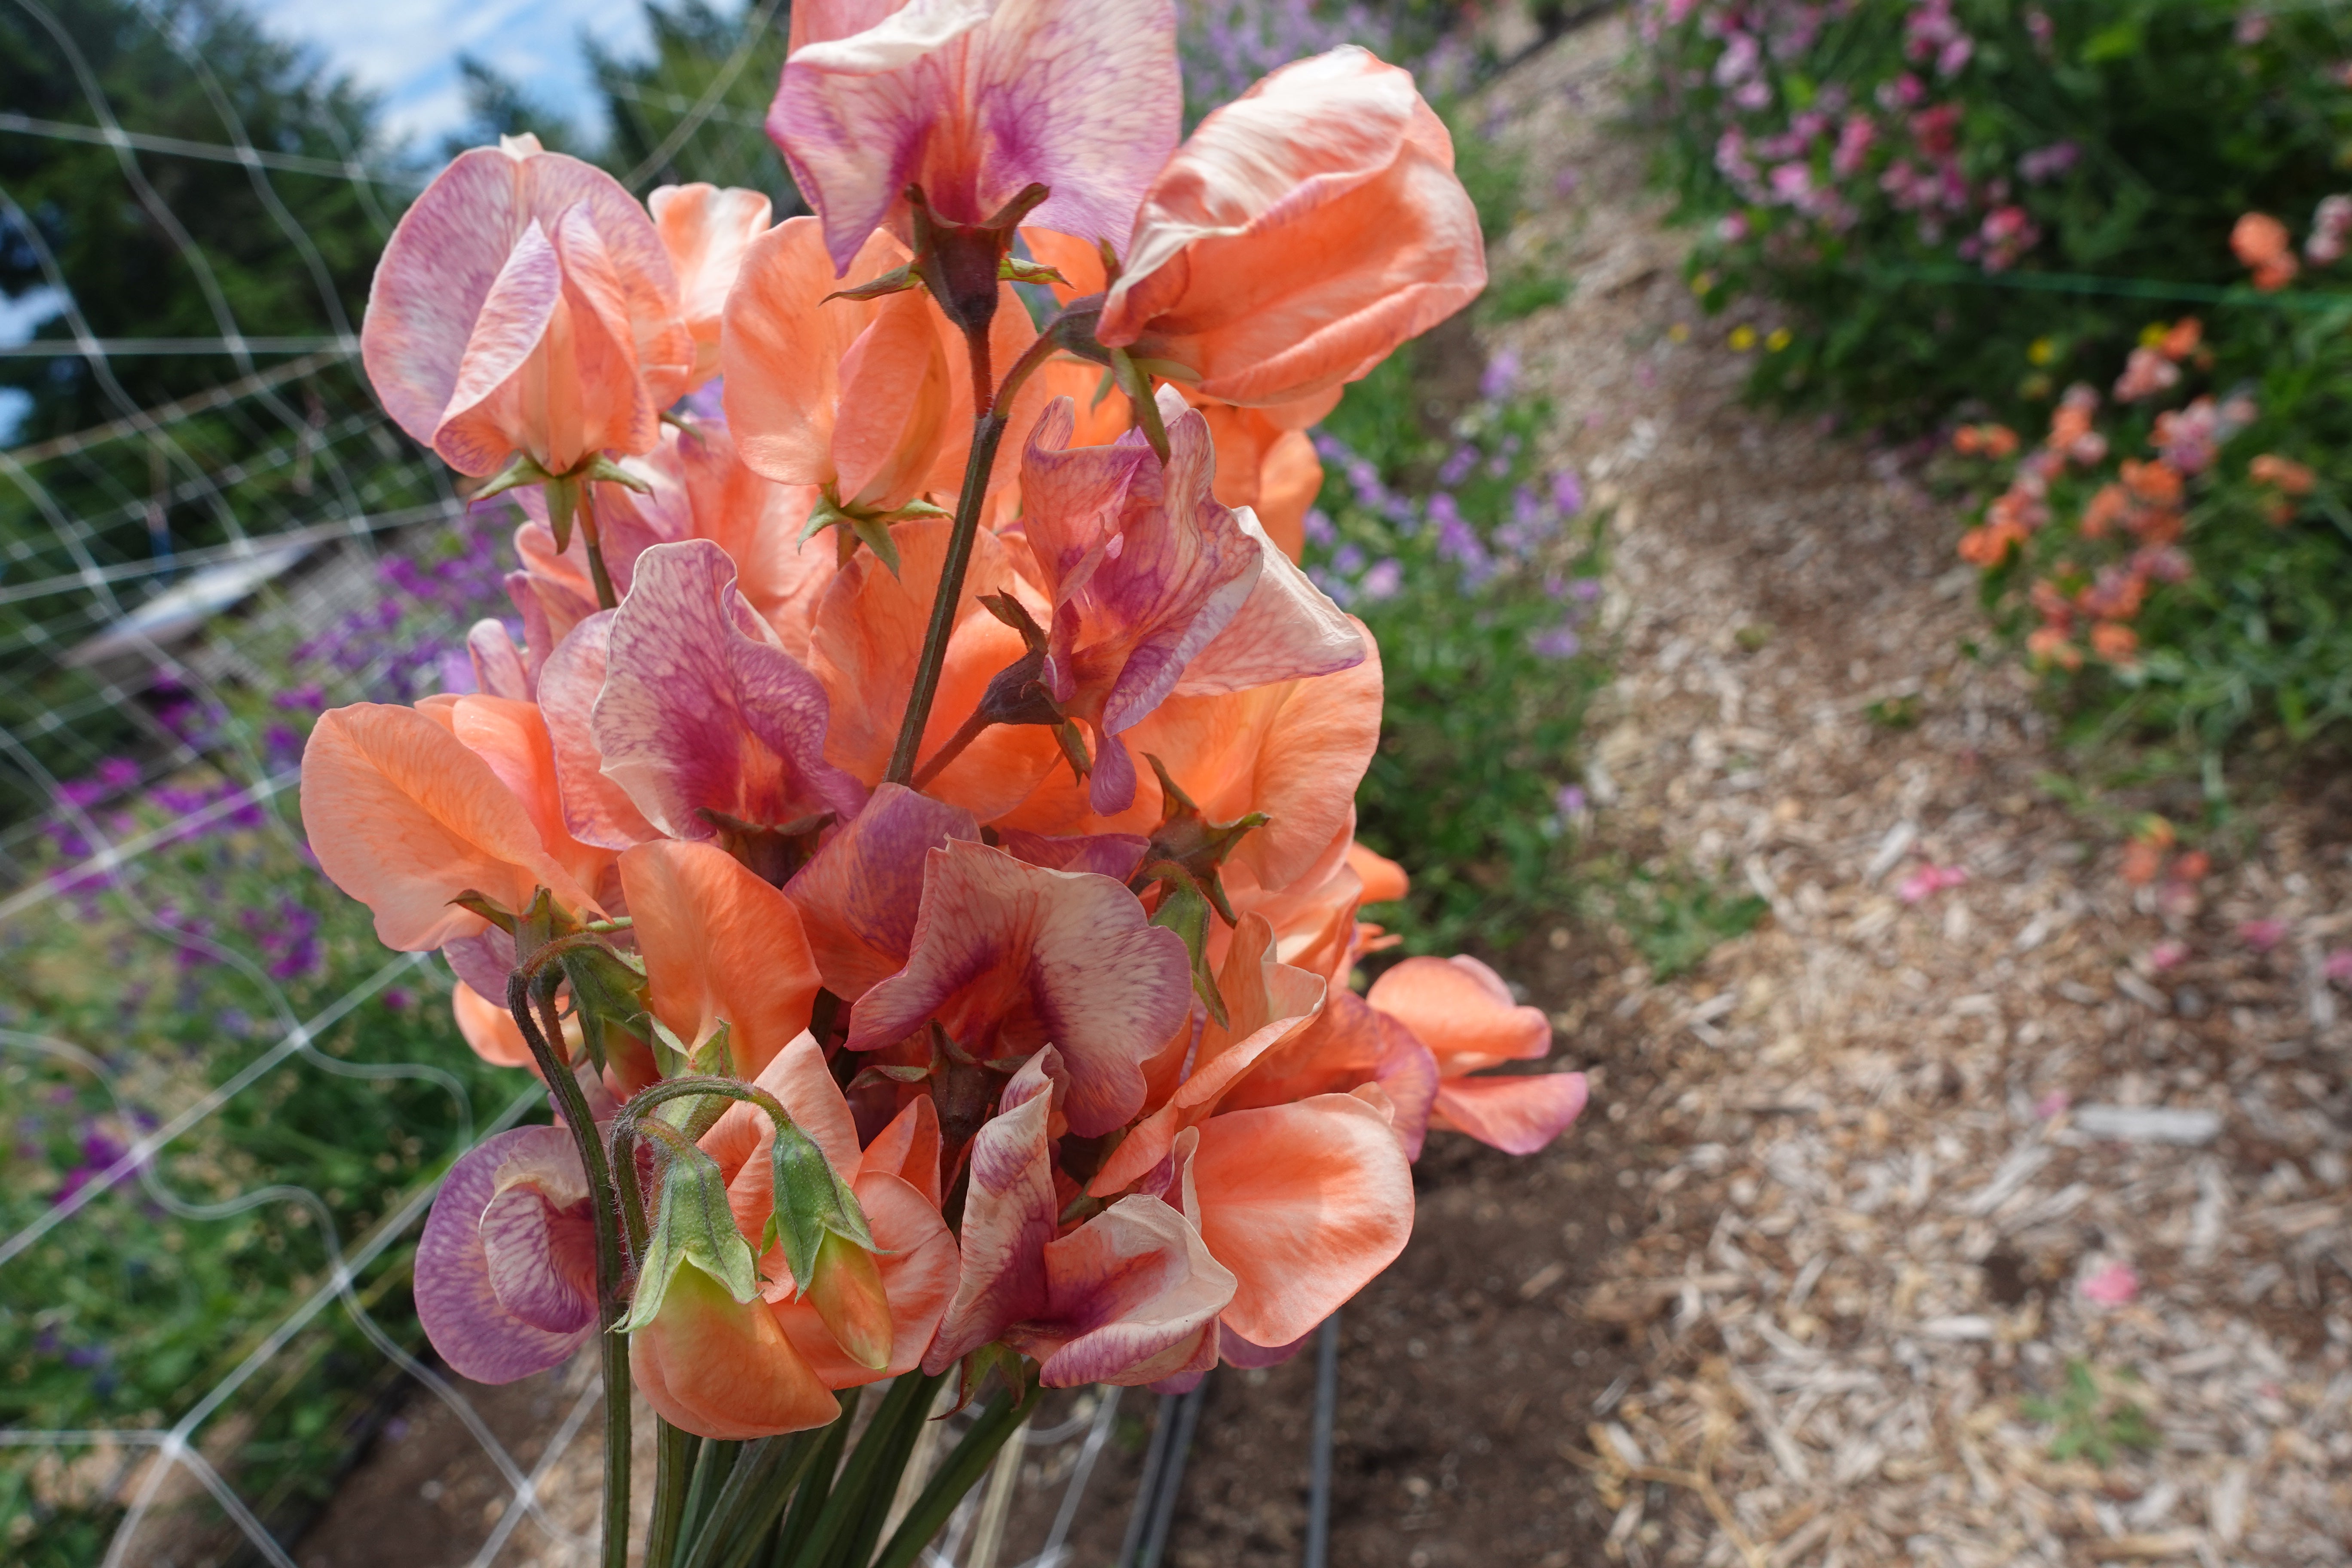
(1008, 957)
(473, 1331)
(1132, 1292)
(1518, 1114)
(498, 663)
(514, 317)
(699, 712)
(596, 809)
(973, 100)
(858, 894)
(538, 1237)
(1288, 629)
(1008, 1218)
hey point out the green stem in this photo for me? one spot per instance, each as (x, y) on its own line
(751, 1499)
(613, 1346)
(816, 1482)
(903, 1408)
(972, 729)
(999, 1420)
(988, 415)
(605, 598)
(673, 1469)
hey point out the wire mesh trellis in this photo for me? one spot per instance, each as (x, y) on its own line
(229, 1106)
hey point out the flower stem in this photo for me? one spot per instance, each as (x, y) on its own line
(673, 1470)
(954, 749)
(989, 417)
(614, 1347)
(605, 598)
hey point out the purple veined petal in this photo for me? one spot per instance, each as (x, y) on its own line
(483, 962)
(1111, 788)
(498, 663)
(699, 711)
(514, 318)
(1009, 1216)
(538, 1238)
(858, 897)
(1072, 498)
(1132, 1294)
(1112, 855)
(1287, 630)
(596, 810)
(1010, 957)
(1183, 570)
(469, 1326)
(974, 100)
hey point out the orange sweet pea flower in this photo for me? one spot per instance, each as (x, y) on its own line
(1300, 234)
(408, 807)
(2284, 474)
(719, 946)
(1462, 1010)
(870, 399)
(526, 303)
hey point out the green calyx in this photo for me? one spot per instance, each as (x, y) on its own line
(692, 1224)
(812, 1206)
(553, 947)
(862, 525)
(1184, 856)
(563, 491)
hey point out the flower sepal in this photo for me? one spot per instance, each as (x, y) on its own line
(692, 1227)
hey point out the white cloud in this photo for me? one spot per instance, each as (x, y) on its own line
(408, 50)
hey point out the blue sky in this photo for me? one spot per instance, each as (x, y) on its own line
(408, 50)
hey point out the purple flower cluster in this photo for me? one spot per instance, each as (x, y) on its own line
(411, 642)
(1229, 44)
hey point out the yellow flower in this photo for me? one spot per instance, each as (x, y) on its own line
(1701, 282)
(1742, 339)
(1679, 332)
(2152, 334)
(1778, 340)
(2042, 351)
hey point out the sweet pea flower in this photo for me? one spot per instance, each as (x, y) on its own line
(1300, 234)
(2263, 243)
(526, 303)
(699, 712)
(406, 808)
(506, 1268)
(1462, 1010)
(972, 101)
(1007, 957)
(721, 947)
(697, 487)
(1129, 1297)
(870, 399)
(1157, 587)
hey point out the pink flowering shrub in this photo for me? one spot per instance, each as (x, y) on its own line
(1910, 178)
